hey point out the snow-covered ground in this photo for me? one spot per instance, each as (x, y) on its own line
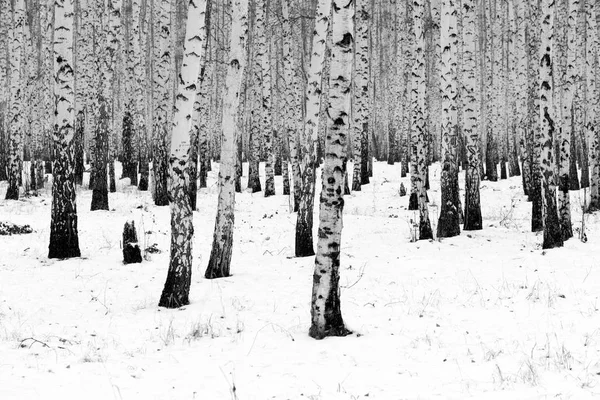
(487, 315)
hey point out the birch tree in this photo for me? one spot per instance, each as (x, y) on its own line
(64, 240)
(448, 224)
(162, 82)
(292, 108)
(564, 134)
(418, 134)
(15, 132)
(594, 204)
(471, 112)
(304, 222)
(220, 256)
(552, 229)
(177, 286)
(326, 314)
(360, 126)
(267, 123)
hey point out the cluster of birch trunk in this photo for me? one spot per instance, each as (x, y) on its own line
(497, 88)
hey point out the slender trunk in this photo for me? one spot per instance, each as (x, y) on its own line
(64, 240)
(472, 219)
(304, 222)
(448, 224)
(164, 101)
(220, 256)
(177, 286)
(361, 95)
(15, 118)
(552, 228)
(326, 315)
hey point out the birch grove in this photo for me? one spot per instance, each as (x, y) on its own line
(242, 110)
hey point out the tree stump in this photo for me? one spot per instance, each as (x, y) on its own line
(131, 249)
(402, 190)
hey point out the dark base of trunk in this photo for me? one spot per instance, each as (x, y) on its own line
(449, 223)
(143, 183)
(425, 232)
(132, 254)
(304, 241)
(473, 220)
(254, 184)
(173, 295)
(219, 263)
(503, 174)
(63, 247)
(537, 223)
(413, 202)
(111, 174)
(12, 193)
(99, 200)
(334, 331)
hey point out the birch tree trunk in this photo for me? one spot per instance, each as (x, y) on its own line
(594, 204)
(564, 134)
(534, 48)
(471, 112)
(360, 126)
(292, 108)
(326, 314)
(304, 222)
(257, 129)
(64, 240)
(177, 287)
(220, 256)
(15, 132)
(164, 101)
(448, 225)
(418, 135)
(267, 122)
(102, 118)
(552, 229)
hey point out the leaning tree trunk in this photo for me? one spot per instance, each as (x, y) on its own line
(326, 314)
(552, 229)
(177, 287)
(64, 240)
(220, 256)
(449, 221)
(304, 221)
(15, 118)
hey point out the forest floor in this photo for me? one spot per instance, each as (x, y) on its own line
(486, 315)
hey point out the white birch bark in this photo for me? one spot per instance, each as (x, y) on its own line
(220, 258)
(594, 204)
(552, 230)
(15, 125)
(292, 109)
(360, 106)
(64, 241)
(448, 225)
(418, 134)
(304, 222)
(162, 86)
(326, 313)
(177, 286)
(471, 112)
